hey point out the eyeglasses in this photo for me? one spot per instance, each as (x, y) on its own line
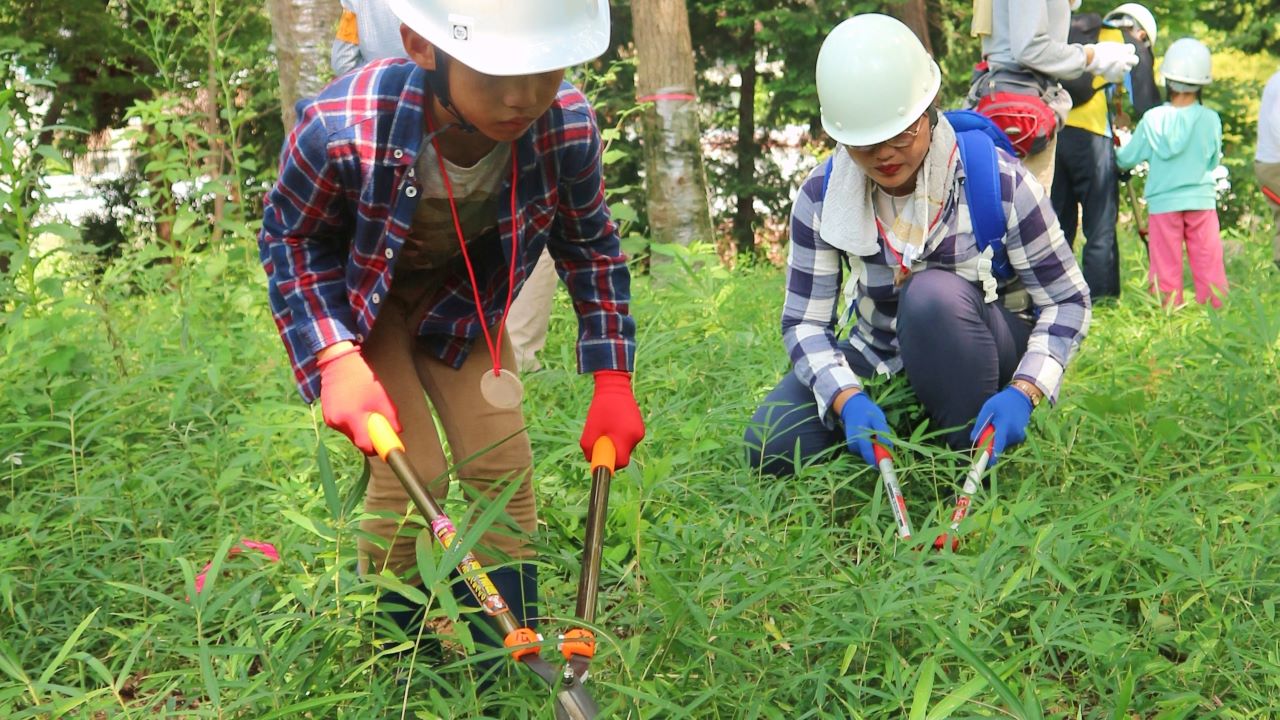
(903, 139)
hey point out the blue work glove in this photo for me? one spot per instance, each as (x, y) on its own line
(864, 420)
(1008, 411)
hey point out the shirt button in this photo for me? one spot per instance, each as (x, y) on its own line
(359, 338)
(376, 298)
(389, 253)
(411, 191)
(398, 153)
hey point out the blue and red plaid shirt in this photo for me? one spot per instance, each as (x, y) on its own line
(338, 215)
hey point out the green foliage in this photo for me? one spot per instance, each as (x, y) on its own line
(83, 48)
(25, 159)
(1121, 565)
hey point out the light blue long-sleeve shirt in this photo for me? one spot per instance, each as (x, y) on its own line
(1183, 145)
(1033, 34)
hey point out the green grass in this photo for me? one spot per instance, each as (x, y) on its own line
(1123, 566)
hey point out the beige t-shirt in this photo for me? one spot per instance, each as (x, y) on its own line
(432, 242)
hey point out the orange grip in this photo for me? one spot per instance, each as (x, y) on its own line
(604, 454)
(578, 641)
(383, 436)
(522, 642)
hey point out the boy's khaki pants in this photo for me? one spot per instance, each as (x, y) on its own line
(1269, 176)
(413, 377)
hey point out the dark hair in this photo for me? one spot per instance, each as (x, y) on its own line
(1168, 93)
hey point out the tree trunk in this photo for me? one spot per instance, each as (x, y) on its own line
(302, 31)
(914, 15)
(744, 216)
(675, 179)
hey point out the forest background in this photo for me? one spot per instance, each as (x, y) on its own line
(1123, 566)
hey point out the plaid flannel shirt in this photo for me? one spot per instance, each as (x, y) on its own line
(1037, 250)
(338, 215)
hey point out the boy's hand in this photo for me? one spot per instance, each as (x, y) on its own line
(349, 393)
(864, 422)
(1009, 412)
(614, 414)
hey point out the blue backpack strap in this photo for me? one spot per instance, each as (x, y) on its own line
(977, 139)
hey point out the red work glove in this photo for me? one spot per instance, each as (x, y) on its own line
(614, 414)
(349, 392)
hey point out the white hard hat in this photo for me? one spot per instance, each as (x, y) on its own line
(1187, 61)
(1140, 14)
(874, 79)
(511, 37)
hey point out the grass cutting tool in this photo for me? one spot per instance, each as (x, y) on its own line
(579, 644)
(884, 461)
(572, 700)
(1137, 217)
(971, 481)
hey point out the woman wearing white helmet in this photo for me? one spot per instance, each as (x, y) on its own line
(892, 207)
(1182, 141)
(413, 200)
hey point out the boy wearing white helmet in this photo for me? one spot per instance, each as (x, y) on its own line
(893, 209)
(1085, 178)
(369, 31)
(413, 200)
(1182, 140)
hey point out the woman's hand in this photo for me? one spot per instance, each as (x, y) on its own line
(864, 423)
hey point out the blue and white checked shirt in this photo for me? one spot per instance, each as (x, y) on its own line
(337, 218)
(1037, 250)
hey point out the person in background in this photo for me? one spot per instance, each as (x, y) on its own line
(1025, 41)
(414, 198)
(1266, 161)
(1182, 140)
(891, 209)
(367, 31)
(1085, 174)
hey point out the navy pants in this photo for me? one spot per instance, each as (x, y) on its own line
(1086, 177)
(957, 351)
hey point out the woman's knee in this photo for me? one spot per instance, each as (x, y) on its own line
(933, 296)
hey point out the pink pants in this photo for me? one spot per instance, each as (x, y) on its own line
(1199, 230)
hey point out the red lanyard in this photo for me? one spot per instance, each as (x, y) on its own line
(494, 348)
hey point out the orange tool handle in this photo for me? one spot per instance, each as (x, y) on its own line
(604, 454)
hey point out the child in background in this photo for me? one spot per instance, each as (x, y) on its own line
(1182, 140)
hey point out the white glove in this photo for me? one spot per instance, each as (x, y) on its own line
(1112, 60)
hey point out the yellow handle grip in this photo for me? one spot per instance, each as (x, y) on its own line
(604, 454)
(383, 436)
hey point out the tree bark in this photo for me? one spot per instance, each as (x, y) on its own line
(675, 178)
(302, 31)
(744, 216)
(914, 15)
